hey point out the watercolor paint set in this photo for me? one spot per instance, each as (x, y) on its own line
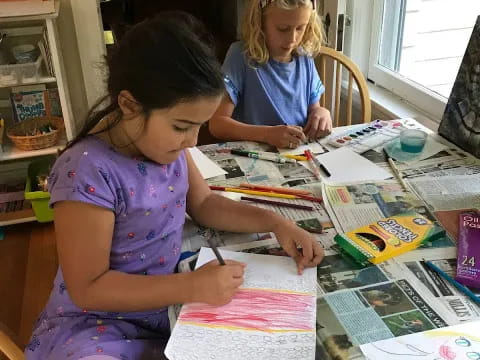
(364, 137)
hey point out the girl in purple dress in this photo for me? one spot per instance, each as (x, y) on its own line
(120, 192)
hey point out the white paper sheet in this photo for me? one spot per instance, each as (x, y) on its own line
(272, 315)
(459, 342)
(346, 166)
(207, 167)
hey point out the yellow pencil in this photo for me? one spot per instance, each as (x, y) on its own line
(296, 157)
(254, 192)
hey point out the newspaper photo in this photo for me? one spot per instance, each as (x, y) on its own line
(346, 319)
(352, 206)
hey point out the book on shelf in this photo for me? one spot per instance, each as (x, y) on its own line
(33, 101)
(27, 102)
(12, 198)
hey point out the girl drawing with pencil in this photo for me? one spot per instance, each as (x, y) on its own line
(272, 84)
(120, 193)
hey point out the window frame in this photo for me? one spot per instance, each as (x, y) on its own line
(426, 100)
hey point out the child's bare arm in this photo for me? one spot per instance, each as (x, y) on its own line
(84, 234)
(223, 126)
(216, 211)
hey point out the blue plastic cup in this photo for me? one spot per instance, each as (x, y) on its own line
(413, 140)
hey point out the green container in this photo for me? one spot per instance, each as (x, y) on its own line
(39, 199)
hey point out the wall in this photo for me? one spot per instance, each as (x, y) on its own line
(81, 36)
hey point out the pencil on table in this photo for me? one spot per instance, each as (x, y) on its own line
(254, 192)
(279, 190)
(311, 198)
(278, 203)
(313, 166)
(397, 174)
(296, 157)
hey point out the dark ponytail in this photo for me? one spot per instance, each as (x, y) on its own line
(161, 61)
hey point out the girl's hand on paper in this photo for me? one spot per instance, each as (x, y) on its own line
(299, 244)
(285, 136)
(319, 123)
(215, 284)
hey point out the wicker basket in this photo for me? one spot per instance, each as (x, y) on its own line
(17, 133)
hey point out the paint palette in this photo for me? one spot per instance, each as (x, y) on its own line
(364, 137)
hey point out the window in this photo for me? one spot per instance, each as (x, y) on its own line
(417, 47)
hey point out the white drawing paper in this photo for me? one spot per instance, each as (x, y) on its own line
(272, 316)
(459, 342)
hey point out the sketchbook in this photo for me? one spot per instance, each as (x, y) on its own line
(272, 316)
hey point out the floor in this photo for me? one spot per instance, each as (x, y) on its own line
(28, 263)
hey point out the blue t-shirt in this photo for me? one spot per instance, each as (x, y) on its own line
(274, 93)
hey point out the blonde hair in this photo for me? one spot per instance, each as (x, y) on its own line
(254, 38)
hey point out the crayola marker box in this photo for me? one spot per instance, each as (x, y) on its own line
(468, 252)
(388, 237)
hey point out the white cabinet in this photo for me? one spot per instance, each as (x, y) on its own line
(11, 157)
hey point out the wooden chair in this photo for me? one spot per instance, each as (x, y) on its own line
(8, 346)
(330, 56)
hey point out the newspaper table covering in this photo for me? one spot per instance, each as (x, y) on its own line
(391, 299)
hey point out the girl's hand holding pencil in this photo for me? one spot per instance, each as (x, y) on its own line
(216, 285)
(285, 136)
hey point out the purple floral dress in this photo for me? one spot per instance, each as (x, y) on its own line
(148, 200)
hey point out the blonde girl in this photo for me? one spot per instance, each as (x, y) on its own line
(272, 84)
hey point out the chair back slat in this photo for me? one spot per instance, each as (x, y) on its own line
(322, 76)
(349, 99)
(354, 76)
(8, 347)
(338, 88)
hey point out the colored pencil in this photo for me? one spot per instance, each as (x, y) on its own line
(310, 198)
(313, 166)
(254, 192)
(215, 251)
(462, 288)
(277, 203)
(397, 174)
(321, 166)
(295, 157)
(279, 190)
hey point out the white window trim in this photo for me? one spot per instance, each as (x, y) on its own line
(387, 105)
(366, 17)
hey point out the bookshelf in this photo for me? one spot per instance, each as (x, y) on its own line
(52, 73)
(10, 152)
(41, 79)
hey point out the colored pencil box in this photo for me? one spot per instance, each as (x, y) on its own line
(468, 249)
(388, 237)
